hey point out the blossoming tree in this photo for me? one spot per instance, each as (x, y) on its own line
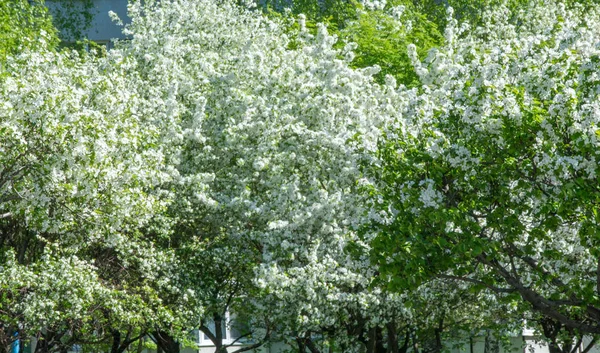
(490, 177)
(219, 162)
(76, 165)
(268, 143)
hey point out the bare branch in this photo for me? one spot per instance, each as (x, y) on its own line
(258, 344)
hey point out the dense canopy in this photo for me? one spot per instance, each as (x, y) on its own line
(363, 185)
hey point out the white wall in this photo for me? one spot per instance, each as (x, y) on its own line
(102, 28)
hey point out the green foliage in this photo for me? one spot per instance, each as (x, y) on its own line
(24, 26)
(490, 177)
(86, 46)
(474, 12)
(383, 36)
(470, 11)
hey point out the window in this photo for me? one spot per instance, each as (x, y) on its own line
(232, 330)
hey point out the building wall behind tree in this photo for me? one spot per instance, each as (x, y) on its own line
(88, 19)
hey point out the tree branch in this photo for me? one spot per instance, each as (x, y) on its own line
(539, 303)
(472, 280)
(207, 332)
(264, 340)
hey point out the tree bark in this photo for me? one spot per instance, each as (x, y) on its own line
(372, 340)
(472, 345)
(301, 345)
(404, 347)
(438, 336)
(312, 347)
(166, 342)
(116, 341)
(392, 338)
(219, 348)
(140, 346)
(45, 342)
(120, 344)
(551, 329)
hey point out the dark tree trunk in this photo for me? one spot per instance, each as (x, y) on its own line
(45, 342)
(305, 344)
(166, 342)
(42, 345)
(406, 343)
(116, 344)
(377, 337)
(51, 341)
(301, 345)
(372, 340)
(120, 344)
(5, 340)
(140, 346)
(438, 341)
(392, 338)
(218, 341)
(217, 336)
(472, 344)
(551, 329)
